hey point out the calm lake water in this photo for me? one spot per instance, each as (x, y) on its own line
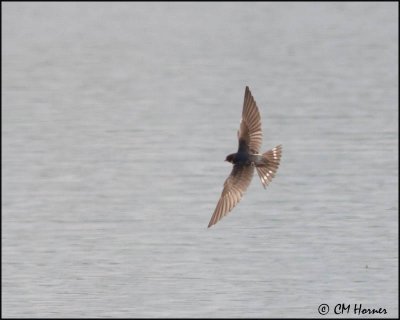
(116, 119)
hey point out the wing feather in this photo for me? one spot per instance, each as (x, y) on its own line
(250, 132)
(234, 188)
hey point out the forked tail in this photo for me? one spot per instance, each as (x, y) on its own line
(272, 159)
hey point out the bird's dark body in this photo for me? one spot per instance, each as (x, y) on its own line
(245, 158)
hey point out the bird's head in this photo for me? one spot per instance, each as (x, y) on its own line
(230, 158)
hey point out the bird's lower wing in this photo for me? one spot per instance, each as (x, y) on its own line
(234, 188)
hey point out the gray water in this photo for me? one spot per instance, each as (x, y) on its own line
(116, 119)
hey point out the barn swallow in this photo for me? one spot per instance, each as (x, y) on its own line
(246, 159)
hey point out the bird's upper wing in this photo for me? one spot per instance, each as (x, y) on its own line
(234, 187)
(250, 133)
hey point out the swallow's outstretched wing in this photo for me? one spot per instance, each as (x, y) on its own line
(234, 187)
(250, 132)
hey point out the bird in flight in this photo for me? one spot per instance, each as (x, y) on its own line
(246, 159)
